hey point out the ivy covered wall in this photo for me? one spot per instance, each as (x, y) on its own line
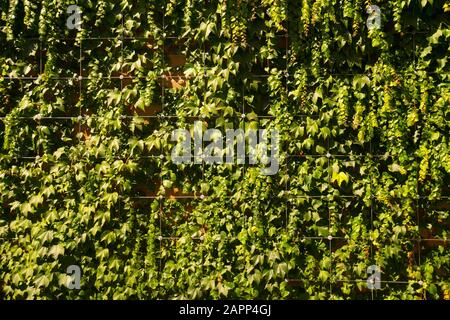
(87, 179)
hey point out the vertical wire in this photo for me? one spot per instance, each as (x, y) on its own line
(372, 199)
(419, 242)
(80, 87)
(242, 123)
(161, 197)
(287, 95)
(203, 197)
(121, 56)
(205, 84)
(40, 56)
(286, 193)
(418, 200)
(163, 57)
(328, 207)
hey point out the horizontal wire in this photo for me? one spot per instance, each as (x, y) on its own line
(286, 35)
(328, 238)
(381, 281)
(162, 156)
(298, 197)
(294, 238)
(205, 197)
(201, 74)
(38, 117)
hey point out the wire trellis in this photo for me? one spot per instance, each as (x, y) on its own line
(287, 198)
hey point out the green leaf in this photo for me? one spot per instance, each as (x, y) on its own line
(42, 281)
(56, 251)
(323, 275)
(282, 269)
(432, 289)
(339, 177)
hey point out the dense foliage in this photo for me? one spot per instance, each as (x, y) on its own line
(87, 179)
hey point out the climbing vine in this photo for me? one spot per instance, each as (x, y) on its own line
(87, 178)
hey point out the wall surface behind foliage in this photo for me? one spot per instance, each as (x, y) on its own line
(87, 179)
